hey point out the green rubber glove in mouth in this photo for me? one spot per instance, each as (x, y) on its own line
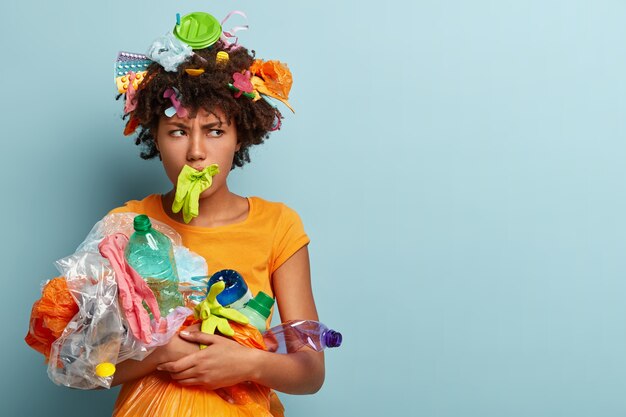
(191, 183)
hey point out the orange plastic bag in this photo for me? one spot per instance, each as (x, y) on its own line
(49, 315)
(160, 396)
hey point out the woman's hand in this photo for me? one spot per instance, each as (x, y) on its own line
(222, 363)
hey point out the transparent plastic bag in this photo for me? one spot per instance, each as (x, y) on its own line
(121, 223)
(98, 333)
(188, 263)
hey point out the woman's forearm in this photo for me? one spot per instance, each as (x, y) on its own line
(175, 349)
(130, 369)
(294, 373)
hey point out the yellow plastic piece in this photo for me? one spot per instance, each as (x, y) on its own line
(122, 82)
(222, 58)
(105, 369)
(214, 316)
(194, 72)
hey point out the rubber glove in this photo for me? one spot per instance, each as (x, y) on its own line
(132, 289)
(191, 183)
(213, 315)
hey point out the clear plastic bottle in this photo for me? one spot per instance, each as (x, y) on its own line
(150, 253)
(292, 335)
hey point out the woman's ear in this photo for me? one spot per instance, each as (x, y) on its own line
(156, 142)
(236, 147)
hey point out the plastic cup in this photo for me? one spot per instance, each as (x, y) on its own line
(198, 30)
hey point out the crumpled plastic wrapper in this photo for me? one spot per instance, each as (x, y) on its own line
(98, 333)
(188, 264)
(121, 223)
(49, 315)
(169, 51)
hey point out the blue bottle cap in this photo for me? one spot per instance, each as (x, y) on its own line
(235, 288)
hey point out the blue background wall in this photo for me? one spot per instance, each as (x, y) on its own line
(459, 167)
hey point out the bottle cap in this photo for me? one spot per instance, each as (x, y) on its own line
(105, 369)
(332, 338)
(142, 223)
(235, 287)
(261, 303)
(198, 30)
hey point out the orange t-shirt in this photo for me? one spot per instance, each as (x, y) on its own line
(255, 247)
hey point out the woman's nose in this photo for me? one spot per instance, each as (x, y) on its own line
(196, 150)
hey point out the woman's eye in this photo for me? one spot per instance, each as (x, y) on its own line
(216, 133)
(177, 133)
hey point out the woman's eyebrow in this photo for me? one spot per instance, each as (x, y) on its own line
(212, 125)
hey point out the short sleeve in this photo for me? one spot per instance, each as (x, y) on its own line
(289, 238)
(128, 207)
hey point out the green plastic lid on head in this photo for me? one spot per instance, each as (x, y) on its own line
(198, 30)
(261, 303)
(142, 223)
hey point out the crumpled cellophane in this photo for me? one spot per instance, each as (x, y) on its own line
(49, 315)
(188, 264)
(97, 332)
(121, 223)
(158, 395)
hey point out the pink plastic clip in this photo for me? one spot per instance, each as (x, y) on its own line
(130, 104)
(242, 83)
(177, 108)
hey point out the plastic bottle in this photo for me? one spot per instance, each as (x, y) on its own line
(292, 335)
(258, 309)
(150, 253)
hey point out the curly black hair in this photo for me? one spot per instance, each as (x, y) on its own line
(209, 90)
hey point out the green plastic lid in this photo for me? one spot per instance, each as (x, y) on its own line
(142, 223)
(261, 303)
(198, 30)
